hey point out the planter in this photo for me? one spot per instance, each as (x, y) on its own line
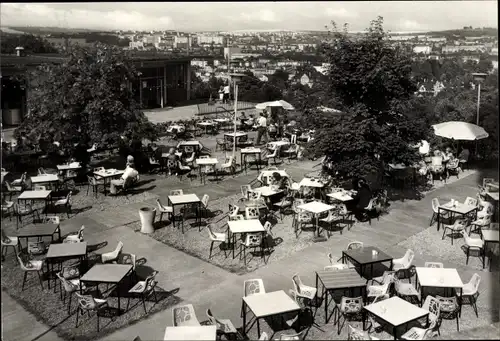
(147, 215)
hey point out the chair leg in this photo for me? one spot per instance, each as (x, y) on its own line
(77, 314)
(97, 313)
(467, 260)
(211, 247)
(24, 280)
(69, 303)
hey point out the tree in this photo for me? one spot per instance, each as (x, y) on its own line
(373, 86)
(31, 43)
(86, 97)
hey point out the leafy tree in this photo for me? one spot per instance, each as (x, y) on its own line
(86, 97)
(31, 43)
(251, 89)
(373, 85)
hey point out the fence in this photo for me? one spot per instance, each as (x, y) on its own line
(217, 107)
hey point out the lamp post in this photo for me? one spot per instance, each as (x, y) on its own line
(235, 78)
(479, 78)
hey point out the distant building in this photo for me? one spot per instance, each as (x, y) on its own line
(200, 63)
(182, 42)
(424, 49)
(229, 51)
(209, 40)
(459, 48)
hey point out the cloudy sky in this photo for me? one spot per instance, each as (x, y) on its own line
(225, 16)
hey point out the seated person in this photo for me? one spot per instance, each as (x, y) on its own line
(243, 119)
(130, 175)
(279, 183)
(171, 161)
(448, 155)
(360, 200)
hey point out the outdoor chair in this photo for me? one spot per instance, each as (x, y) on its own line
(216, 237)
(113, 255)
(358, 334)
(374, 324)
(252, 287)
(470, 201)
(12, 189)
(253, 241)
(291, 152)
(304, 292)
(30, 266)
(457, 227)
(346, 216)
(237, 217)
(373, 291)
(8, 207)
(285, 203)
(403, 265)
(224, 326)
(94, 183)
(144, 289)
(487, 210)
(190, 160)
(127, 258)
(204, 205)
(253, 195)
(416, 333)
(70, 287)
(369, 210)
(220, 144)
(21, 181)
(168, 210)
(176, 192)
(75, 238)
(470, 292)
(301, 219)
(66, 203)
(207, 170)
(296, 336)
(184, 316)
(473, 244)
(92, 149)
(244, 192)
(233, 210)
(23, 210)
(433, 265)
(487, 181)
(331, 219)
(449, 309)
(230, 165)
(40, 188)
(252, 213)
(384, 278)
(431, 304)
(407, 291)
(183, 170)
(478, 224)
(453, 167)
(154, 164)
(88, 304)
(274, 155)
(350, 307)
(8, 241)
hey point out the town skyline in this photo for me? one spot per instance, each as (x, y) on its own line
(399, 16)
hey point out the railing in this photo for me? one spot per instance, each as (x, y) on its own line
(214, 107)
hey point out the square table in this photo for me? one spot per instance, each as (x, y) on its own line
(396, 312)
(190, 333)
(458, 208)
(250, 151)
(364, 256)
(243, 226)
(184, 199)
(64, 251)
(107, 273)
(210, 161)
(439, 278)
(35, 195)
(206, 125)
(71, 166)
(238, 135)
(42, 179)
(108, 174)
(489, 236)
(340, 196)
(268, 304)
(316, 184)
(38, 231)
(267, 191)
(338, 280)
(316, 208)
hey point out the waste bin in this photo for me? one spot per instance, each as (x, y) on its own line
(147, 215)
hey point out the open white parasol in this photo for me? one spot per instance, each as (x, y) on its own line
(460, 131)
(283, 104)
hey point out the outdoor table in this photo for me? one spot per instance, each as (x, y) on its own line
(38, 231)
(395, 312)
(278, 144)
(489, 236)
(340, 196)
(67, 167)
(62, 252)
(347, 279)
(207, 162)
(108, 274)
(266, 305)
(184, 199)
(458, 208)
(239, 135)
(364, 256)
(108, 174)
(439, 278)
(267, 191)
(266, 174)
(190, 333)
(35, 195)
(243, 226)
(316, 208)
(317, 184)
(42, 179)
(206, 125)
(250, 151)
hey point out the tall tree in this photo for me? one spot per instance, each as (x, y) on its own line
(372, 82)
(87, 96)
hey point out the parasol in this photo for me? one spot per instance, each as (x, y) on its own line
(283, 104)
(460, 131)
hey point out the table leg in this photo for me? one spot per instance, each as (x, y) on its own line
(173, 215)
(391, 265)
(49, 271)
(438, 218)
(371, 269)
(118, 294)
(243, 307)
(394, 329)
(234, 243)
(258, 327)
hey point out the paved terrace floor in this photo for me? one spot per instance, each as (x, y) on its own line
(205, 285)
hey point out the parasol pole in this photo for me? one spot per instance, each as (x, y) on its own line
(235, 112)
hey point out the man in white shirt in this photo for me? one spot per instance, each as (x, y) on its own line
(262, 128)
(226, 93)
(130, 172)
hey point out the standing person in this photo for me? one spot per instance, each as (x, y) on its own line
(221, 93)
(226, 93)
(262, 128)
(172, 162)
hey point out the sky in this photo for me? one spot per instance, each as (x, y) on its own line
(399, 16)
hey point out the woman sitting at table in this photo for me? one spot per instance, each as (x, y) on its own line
(280, 183)
(130, 173)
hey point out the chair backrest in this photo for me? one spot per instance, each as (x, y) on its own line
(293, 139)
(252, 213)
(357, 334)
(51, 219)
(236, 217)
(159, 204)
(212, 319)
(127, 258)
(488, 181)
(86, 302)
(371, 204)
(9, 186)
(408, 258)
(40, 188)
(297, 282)
(253, 195)
(245, 189)
(253, 239)
(211, 233)
(470, 201)
(41, 171)
(118, 248)
(469, 241)
(80, 232)
(149, 281)
(205, 199)
(351, 304)
(183, 315)
(475, 281)
(268, 226)
(99, 169)
(22, 264)
(68, 286)
(336, 267)
(355, 245)
(331, 259)
(253, 287)
(263, 337)
(176, 192)
(296, 336)
(433, 265)
(431, 305)
(380, 298)
(435, 204)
